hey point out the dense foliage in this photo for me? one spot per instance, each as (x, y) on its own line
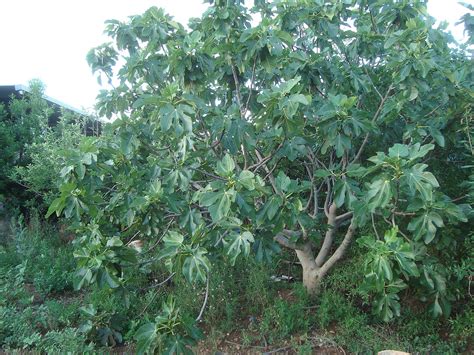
(315, 128)
(247, 311)
(22, 123)
(319, 124)
(33, 134)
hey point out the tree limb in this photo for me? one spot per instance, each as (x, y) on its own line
(376, 115)
(343, 217)
(329, 237)
(339, 253)
(237, 91)
(283, 240)
(205, 300)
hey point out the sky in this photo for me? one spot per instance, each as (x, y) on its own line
(49, 39)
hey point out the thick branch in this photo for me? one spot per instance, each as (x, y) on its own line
(282, 239)
(343, 217)
(339, 253)
(329, 237)
(306, 257)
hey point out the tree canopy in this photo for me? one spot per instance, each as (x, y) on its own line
(299, 124)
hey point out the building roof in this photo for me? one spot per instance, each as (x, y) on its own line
(7, 91)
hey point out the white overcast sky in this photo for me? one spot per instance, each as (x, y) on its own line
(49, 39)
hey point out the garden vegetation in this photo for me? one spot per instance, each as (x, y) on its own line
(327, 141)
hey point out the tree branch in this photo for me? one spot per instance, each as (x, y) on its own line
(339, 253)
(329, 237)
(283, 240)
(237, 91)
(251, 86)
(376, 115)
(268, 171)
(343, 217)
(205, 300)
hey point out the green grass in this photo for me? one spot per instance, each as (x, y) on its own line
(40, 311)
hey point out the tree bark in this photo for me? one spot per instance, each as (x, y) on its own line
(310, 269)
(314, 273)
(315, 267)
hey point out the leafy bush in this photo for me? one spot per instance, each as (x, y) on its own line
(41, 175)
(21, 123)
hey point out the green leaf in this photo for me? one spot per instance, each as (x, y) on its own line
(146, 335)
(173, 239)
(239, 243)
(272, 206)
(57, 206)
(413, 94)
(419, 180)
(436, 309)
(282, 182)
(88, 310)
(107, 278)
(380, 193)
(398, 151)
(437, 136)
(166, 117)
(221, 208)
(300, 98)
(226, 166)
(340, 190)
(209, 198)
(196, 266)
(81, 277)
(426, 226)
(322, 173)
(384, 268)
(247, 179)
(419, 151)
(388, 306)
(114, 242)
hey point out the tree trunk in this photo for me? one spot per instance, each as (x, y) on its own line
(311, 276)
(316, 267)
(314, 273)
(311, 281)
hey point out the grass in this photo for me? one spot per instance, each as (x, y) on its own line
(246, 309)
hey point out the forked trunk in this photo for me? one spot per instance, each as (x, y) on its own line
(315, 267)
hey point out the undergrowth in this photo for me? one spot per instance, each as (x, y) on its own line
(246, 306)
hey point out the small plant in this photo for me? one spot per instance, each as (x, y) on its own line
(169, 333)
(67, 340)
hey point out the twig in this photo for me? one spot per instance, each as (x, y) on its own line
(459, 198)
(162, 235)
(133, 237)
(153, 298)
(373, 226)
(269, 172)
(205, 300)
(251, 85)
(237, 91)
(278, 350)
(244, 346)
(161, 283)
(376, 115)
